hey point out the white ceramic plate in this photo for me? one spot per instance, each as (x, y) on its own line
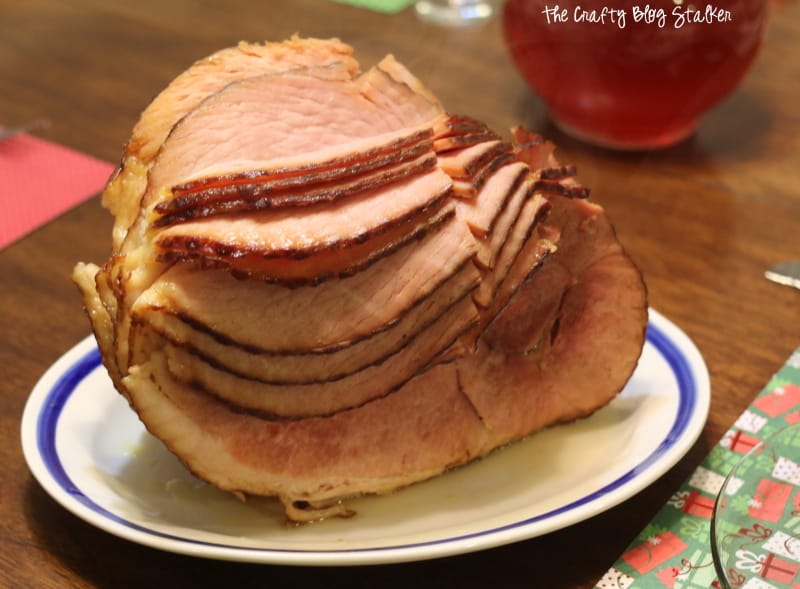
(92, 455)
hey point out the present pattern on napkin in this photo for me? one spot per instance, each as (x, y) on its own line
(674, 551)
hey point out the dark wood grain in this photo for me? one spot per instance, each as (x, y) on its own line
(702, 219)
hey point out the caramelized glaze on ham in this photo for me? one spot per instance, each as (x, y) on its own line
(322, 284)
(205, 78)
(262, 189)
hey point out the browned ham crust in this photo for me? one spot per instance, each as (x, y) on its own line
(481, 213)
(280, 251)
(505, 251)
(261, 189)
(323, 285)
(464, 164)
(578, 313)
(185, 92)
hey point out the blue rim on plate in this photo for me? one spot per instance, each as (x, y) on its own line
(670, 343)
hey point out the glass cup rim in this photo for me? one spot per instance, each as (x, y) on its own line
(720, 498)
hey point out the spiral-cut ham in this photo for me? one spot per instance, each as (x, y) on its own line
(263, 189)
(323, 284)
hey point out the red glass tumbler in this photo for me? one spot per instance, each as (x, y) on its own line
(632, 75)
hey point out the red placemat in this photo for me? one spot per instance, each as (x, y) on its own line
(39, 180)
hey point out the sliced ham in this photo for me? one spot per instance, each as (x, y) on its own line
(480, 214)
(306, 367)
(458, 124)
(326, 264)
(463, 164)
(247, 125)
(326, 397)
(469, 188)
(506, 251)
(384, 445)
(322, 284)
(211, 74)
(582, 310)
(401, 75)
(259, 196)
(561, 188)
(533, 149)
(204, 78)
(489, 247)
(400, 97)
(261, 182)
(527, 262)
(313, 318)
(550, 176)
(125, 192)
(451, 142)
(234, 239)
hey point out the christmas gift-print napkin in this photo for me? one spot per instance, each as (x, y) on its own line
(674, 550)
(39, 180)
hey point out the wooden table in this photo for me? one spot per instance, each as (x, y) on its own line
(703, 220)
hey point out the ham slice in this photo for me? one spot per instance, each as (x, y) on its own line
(330, 175)
(322, 284)
(530, 213)
(469, 188)
(210, 75)
(458, 124)
(580, 311)
(236, 122)
(480, 214)
(131, 256)
(339, 391)
(330, 263)
(384, 445)
(184, 94)
(551, 177)
(527, 263)
(463, 164)
(451, 142)
(243, 241)
(401, 98)
(314, 318)
(303, 367)
(489, 247)
(257, 196)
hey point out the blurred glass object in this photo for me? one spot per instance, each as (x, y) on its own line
(455, 13)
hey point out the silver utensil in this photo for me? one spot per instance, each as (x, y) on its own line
(787, 273)
(8, 132)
